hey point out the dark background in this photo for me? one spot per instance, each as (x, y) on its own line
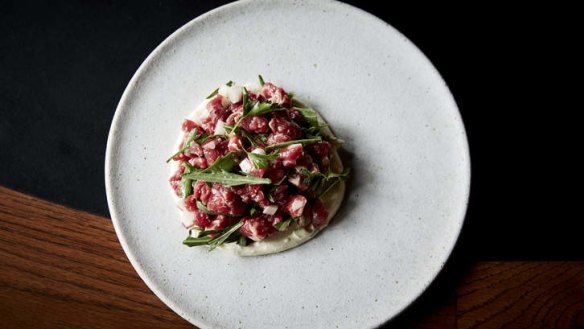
(65, 64)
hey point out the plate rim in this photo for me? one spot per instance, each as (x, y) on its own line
(160, 50)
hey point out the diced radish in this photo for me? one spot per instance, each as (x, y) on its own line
(210, 145)
(219, 129)
(258, 151)
(235, 93)
(246, 165)
(271, 209)
(295, 179)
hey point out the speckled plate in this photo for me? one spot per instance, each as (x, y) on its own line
(404, 139)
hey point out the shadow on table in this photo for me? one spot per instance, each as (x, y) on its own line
(436, 307)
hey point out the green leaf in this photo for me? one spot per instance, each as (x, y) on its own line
(342, 175)
(204, 137)
(249, 137)
(204, 208)
(188, 168)
(313, 132)
(309, 114)
(215, 92)
(227, 178)
(261, 161)
(262, 82)
(223, 237)
(260, 108)
(242, 241)
(282, 226)
(252, 211)
(296, 141)
(257, 108)
(229, 83)
(209, 232)
(263, 138)
(223, 163)
(245, 103)
(323, 183)
(190, 137)
(199, 241)
(186, 187)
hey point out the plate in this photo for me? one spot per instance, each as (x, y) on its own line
(405, 141)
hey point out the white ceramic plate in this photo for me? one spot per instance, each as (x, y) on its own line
(404, 138)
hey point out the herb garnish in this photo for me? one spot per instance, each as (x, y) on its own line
(322, 183)
(227, 178)
(261, 161)
(282, 226)
(296, 141)
(190, 137)
(256, 108)
(308, 114)
(205, 239)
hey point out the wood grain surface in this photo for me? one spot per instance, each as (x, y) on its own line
(63, 268)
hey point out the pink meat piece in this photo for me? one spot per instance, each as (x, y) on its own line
(224, 200)
(295, 205)
(257, 228)
(202, 191)
(275, 94)
(289, 154)
(286, 127)
(255, 124)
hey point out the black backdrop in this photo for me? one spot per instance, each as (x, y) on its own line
(65, 64)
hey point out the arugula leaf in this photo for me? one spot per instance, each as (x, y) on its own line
(223, 163)
(262, 83)
(186, 187)
(199, 241)
(321, 183)
(227, 178)
(314, 132)
(213, 242)
(215, 92)
(257, 108)
(296, 141)
(309, 114)
(261, 161)
(229, 83)
(249, 137)
(282, 226)
(260, 108)
(209, 232)
(223, 237)
(190, 137)
(204, 208)
(204, 137)
(188, 168)
(242, 241)
(245, 102)
(263, 138)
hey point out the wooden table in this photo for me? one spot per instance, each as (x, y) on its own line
(63, 268)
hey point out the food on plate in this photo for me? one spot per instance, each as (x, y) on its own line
(256, 172)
